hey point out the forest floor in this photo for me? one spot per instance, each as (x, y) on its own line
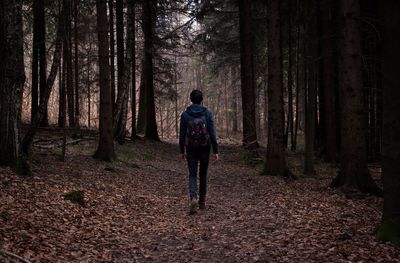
(136, 210)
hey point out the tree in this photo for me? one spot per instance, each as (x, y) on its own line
(247, 76)
(105, 149)
(12, 78)
(310, 92)
(275, 159)
(148, 29)
(112, 49)
(390, 226)
(38, 58)
(76, 64)
(132, 32)
(354, 173)
(121, 107)
(329, 78)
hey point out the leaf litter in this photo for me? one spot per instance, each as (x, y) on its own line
(136, 210)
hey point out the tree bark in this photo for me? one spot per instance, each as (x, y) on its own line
(76, 64)
(12, 78)
(112, 50)
(329, 81)
(354, 173)
(133, 64)
(39, 64)
(276, 158)
(38, 57)
(105, 149)
(67, 45)
(148, 31)
(121, 109)
(390, 226)
(290, 79)
(141, 122)
(247, 76)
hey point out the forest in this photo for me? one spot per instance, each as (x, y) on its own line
(304, 96)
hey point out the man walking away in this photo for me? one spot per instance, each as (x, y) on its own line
(197, 136)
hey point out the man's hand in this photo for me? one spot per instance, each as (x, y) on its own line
(216, 157)
(183, 156)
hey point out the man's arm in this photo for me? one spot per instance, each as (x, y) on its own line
(211, 131)
(182, 134)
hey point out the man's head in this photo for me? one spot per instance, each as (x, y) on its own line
(196, 96)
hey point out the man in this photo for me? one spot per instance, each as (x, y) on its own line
(197, 136)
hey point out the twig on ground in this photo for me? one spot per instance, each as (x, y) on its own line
(7, 253)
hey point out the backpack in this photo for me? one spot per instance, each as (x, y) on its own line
(197, 135)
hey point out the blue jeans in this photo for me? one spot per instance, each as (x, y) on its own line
(194, 157)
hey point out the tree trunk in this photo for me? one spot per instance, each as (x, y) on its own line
(132, 30)
(112, 50)
(247, 76)
(12, 78)
(67, 45)
(275, 159)
(296, 124)
(105, 149)
(148, 26)
(390, 226)
(141, 122)
(290, 79)
(310, 93)
(63, 91)
(121, 109)
(38, 58)
(121, 73)
(329, 82)
(76, 64)
(354, 173)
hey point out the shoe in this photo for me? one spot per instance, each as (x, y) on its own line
(202, 206)
(193, 205)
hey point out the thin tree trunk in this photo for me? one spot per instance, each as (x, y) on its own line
(329, 78)
(148, 26)
(276, 159)
(35, 59)
(88, 84)
(133, 50)
(290, 80)
(247, 76)
(311, 88)
(105, 150)
(67, 44)
(296, 124)
(123, 94)
(141, 122)
(119, 15)
(76, 64)
(39, 57)
(112, 50)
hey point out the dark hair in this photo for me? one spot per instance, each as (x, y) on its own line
(196, 96)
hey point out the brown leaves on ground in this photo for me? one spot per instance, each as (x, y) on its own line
(136, 210)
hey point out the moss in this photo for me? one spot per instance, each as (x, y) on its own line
(251, 158)
(389, 231)
(76, 197)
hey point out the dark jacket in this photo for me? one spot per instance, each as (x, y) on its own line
(197, 110)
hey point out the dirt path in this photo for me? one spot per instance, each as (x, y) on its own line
(137, 211)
